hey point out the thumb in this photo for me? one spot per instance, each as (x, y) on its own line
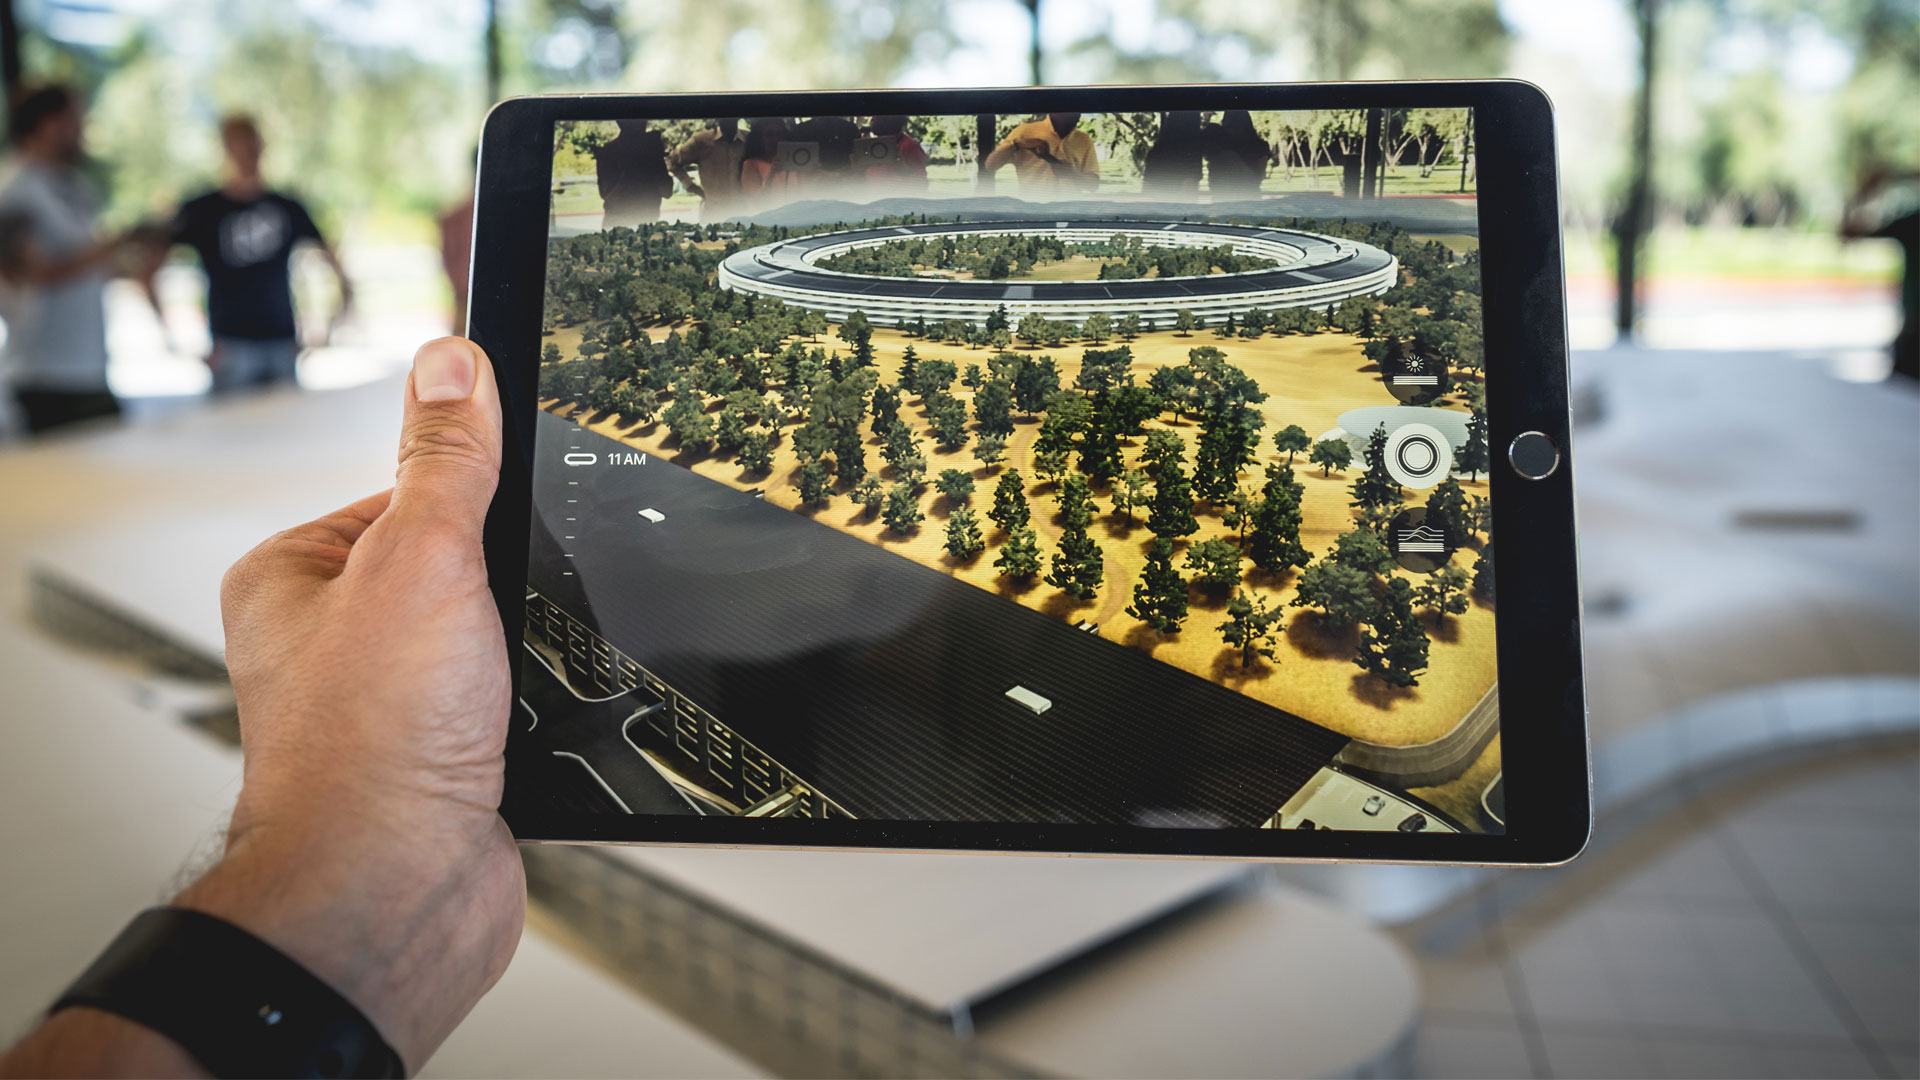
(449, 437)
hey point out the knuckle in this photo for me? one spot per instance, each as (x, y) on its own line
(449, 438)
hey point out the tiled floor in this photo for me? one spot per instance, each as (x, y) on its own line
(1762, 924)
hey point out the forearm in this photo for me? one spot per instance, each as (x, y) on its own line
(88, 1042)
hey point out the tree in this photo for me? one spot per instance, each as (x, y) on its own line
(814, 480)
(1331, 454)
(813, 324)
(1363, 550)
(1130, 326)
(1076, 501)
(900, 445)
(1035, 329)
(1376, 487)
(989, 449)
(949, 419)
(756, 453)
(1215, 563)
(963, 534)
(869, 493)
(1275, 541)
(1393, 644)
(933, 377)
(1474, 458)
(973, 377)
(1291, 439)
(1097, 328)
(912, 470)
(902, 511)
(1226, 329)
(550, 354)
(857, 332)
(1163, 447)
(1077, 567)
(886, 408)
(1251, 628)
(955, 484)
(693, 427)
(1130, 493)
(1343, 594)
(1020, 556)
(910, 363)
(1035, 384)
(1227, 438)
(993, 408)
(1448, 512)
(997, 318)
(1160, 596)
(1171, 515)
(1184, 322)
(1010, 501)
(1100, 449)
(1483, 573)
(1050, 464)
(1444, 593)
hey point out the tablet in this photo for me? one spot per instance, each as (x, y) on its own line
(1100, 470)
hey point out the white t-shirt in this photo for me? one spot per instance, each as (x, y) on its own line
(57, 334)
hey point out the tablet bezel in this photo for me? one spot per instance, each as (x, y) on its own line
(1542, 703)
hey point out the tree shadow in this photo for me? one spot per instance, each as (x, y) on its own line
(1368, 367)
(1371, 689)
(1061, 605)
(1118, 528)
(1013, 589)
(1227, 670)
(1439, 629)
(1311, 634)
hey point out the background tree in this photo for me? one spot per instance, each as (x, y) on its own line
(1161, 448)
(1129, 328)
(814, 479)
(1291, 439)
(869, 493)
(1010, 501)
(1097, 328)
(902, 511)
(886, 408)
(756, 453)
(1100, 449)
(1251, 628)
(1184, 322)
(1049, 464)
(813, 324)
(857, 332)
(1275, 540)
(1444, 593)
(1331, 454)
(694, 429)
(963, 535)
(956, 485)
(1343, 594)
(912, 470)
(1078, 567)
(933, 377)
(900, 445)
(910, 367)
(989, 449)
(1019, 557)
(972, 377)
(1037, 381)
(1160, 596)
(1215, 563)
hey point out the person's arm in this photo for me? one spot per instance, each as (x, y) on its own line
(371, 675)
(689, 152)
(1000, 155)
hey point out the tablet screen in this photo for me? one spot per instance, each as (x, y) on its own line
(1120, 469)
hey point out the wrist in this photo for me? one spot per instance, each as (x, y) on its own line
(411, 928)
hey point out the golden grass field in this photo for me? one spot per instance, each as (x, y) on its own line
(1310, 381)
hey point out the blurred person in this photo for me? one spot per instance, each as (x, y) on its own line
(1879, 191)
(908, 169)
(1049, 155)
(631, 172)
(1172, 165)
(834, 136)
(366, 882)
(1237, 157)
(244, 234)
(762, 180)
(716, 153)
(56, 267)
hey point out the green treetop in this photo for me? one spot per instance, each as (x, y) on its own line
(1343, 594)
(1160, 596)
(1216, 564)
(1010, 501)
(1019, 557)
(1393, 643)
(902, 510)
(1331, 454)
(1251, 628)
(963, 535)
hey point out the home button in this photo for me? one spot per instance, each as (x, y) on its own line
(1533, 455)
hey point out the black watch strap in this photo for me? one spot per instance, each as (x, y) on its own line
(236, 1003)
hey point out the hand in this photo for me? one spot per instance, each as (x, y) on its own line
(371, 674)
(1036, 146)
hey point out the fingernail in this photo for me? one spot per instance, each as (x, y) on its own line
(442, 371)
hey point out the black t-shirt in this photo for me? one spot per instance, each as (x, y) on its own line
(244, 245)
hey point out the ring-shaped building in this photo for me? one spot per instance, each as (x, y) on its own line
(1313, 271)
